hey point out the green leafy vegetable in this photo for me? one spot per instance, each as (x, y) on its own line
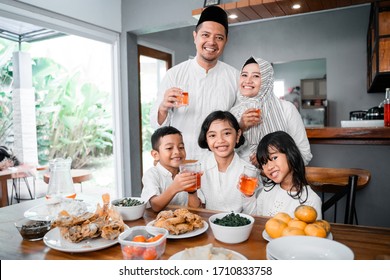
(232, 220)
(127, 202)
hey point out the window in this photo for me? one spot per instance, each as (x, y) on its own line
(105, 73)
(279, 88)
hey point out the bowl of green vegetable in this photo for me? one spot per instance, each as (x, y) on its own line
(231, 227)
(130, 208)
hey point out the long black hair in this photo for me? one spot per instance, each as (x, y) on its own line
(218, 115)
(284, 143)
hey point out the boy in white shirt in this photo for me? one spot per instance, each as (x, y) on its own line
(162, 183)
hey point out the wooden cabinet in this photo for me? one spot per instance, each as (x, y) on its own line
(313, 89)
(378, 47)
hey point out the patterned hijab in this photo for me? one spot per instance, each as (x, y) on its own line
(266, 100)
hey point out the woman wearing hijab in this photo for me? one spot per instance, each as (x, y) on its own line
(256, 85)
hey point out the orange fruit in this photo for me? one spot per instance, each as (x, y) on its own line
(283, 216)
(150, 254)
(274, 227)
(315, 230)
(155, 238)
(138, 251)
(297, 224)
(289, 231)
(139, 238)
(324, 224)
(127, 252)
(306, 213)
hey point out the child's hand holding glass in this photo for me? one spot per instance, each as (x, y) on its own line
(195, 170)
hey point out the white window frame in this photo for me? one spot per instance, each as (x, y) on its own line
(72, 26)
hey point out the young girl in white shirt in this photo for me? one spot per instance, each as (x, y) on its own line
(287, 188)
(221, 134)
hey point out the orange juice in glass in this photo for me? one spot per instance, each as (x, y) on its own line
(259, 113)
(183, 99)
(248, 180)
(194, 168)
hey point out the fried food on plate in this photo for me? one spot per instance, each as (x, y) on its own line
(179, 221)
(105, 222)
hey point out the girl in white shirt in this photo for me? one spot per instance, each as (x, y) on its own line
(287, 188)
(221, 134)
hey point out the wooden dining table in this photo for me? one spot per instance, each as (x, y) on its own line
(367, 243)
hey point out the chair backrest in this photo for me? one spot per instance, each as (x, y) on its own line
(340, 181)
(329, 180)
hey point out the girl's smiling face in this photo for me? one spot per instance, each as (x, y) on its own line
(277, 168)
(222, 138)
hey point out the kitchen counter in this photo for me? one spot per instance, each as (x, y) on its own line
(349, 135)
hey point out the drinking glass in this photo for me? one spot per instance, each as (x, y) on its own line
(248, 182)
(194, 168)
(260, 113)
(183, 100)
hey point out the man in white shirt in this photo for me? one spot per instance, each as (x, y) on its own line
(211, 84)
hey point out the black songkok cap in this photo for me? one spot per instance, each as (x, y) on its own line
(216, 14)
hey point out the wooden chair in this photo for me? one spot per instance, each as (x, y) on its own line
(341, 182)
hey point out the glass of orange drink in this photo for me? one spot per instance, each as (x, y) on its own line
(183, 99)
(194, 168)
(249, 180)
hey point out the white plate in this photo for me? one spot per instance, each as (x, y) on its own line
(235, 255)
(46, 212)
(187, 234)
(307, 248)
(269, 238)
(54, 240)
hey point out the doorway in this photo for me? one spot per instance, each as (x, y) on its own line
(152, 66)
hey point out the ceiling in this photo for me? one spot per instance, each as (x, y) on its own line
(248, 10)
(24, 32)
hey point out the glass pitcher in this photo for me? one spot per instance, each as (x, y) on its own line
(60, 182)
